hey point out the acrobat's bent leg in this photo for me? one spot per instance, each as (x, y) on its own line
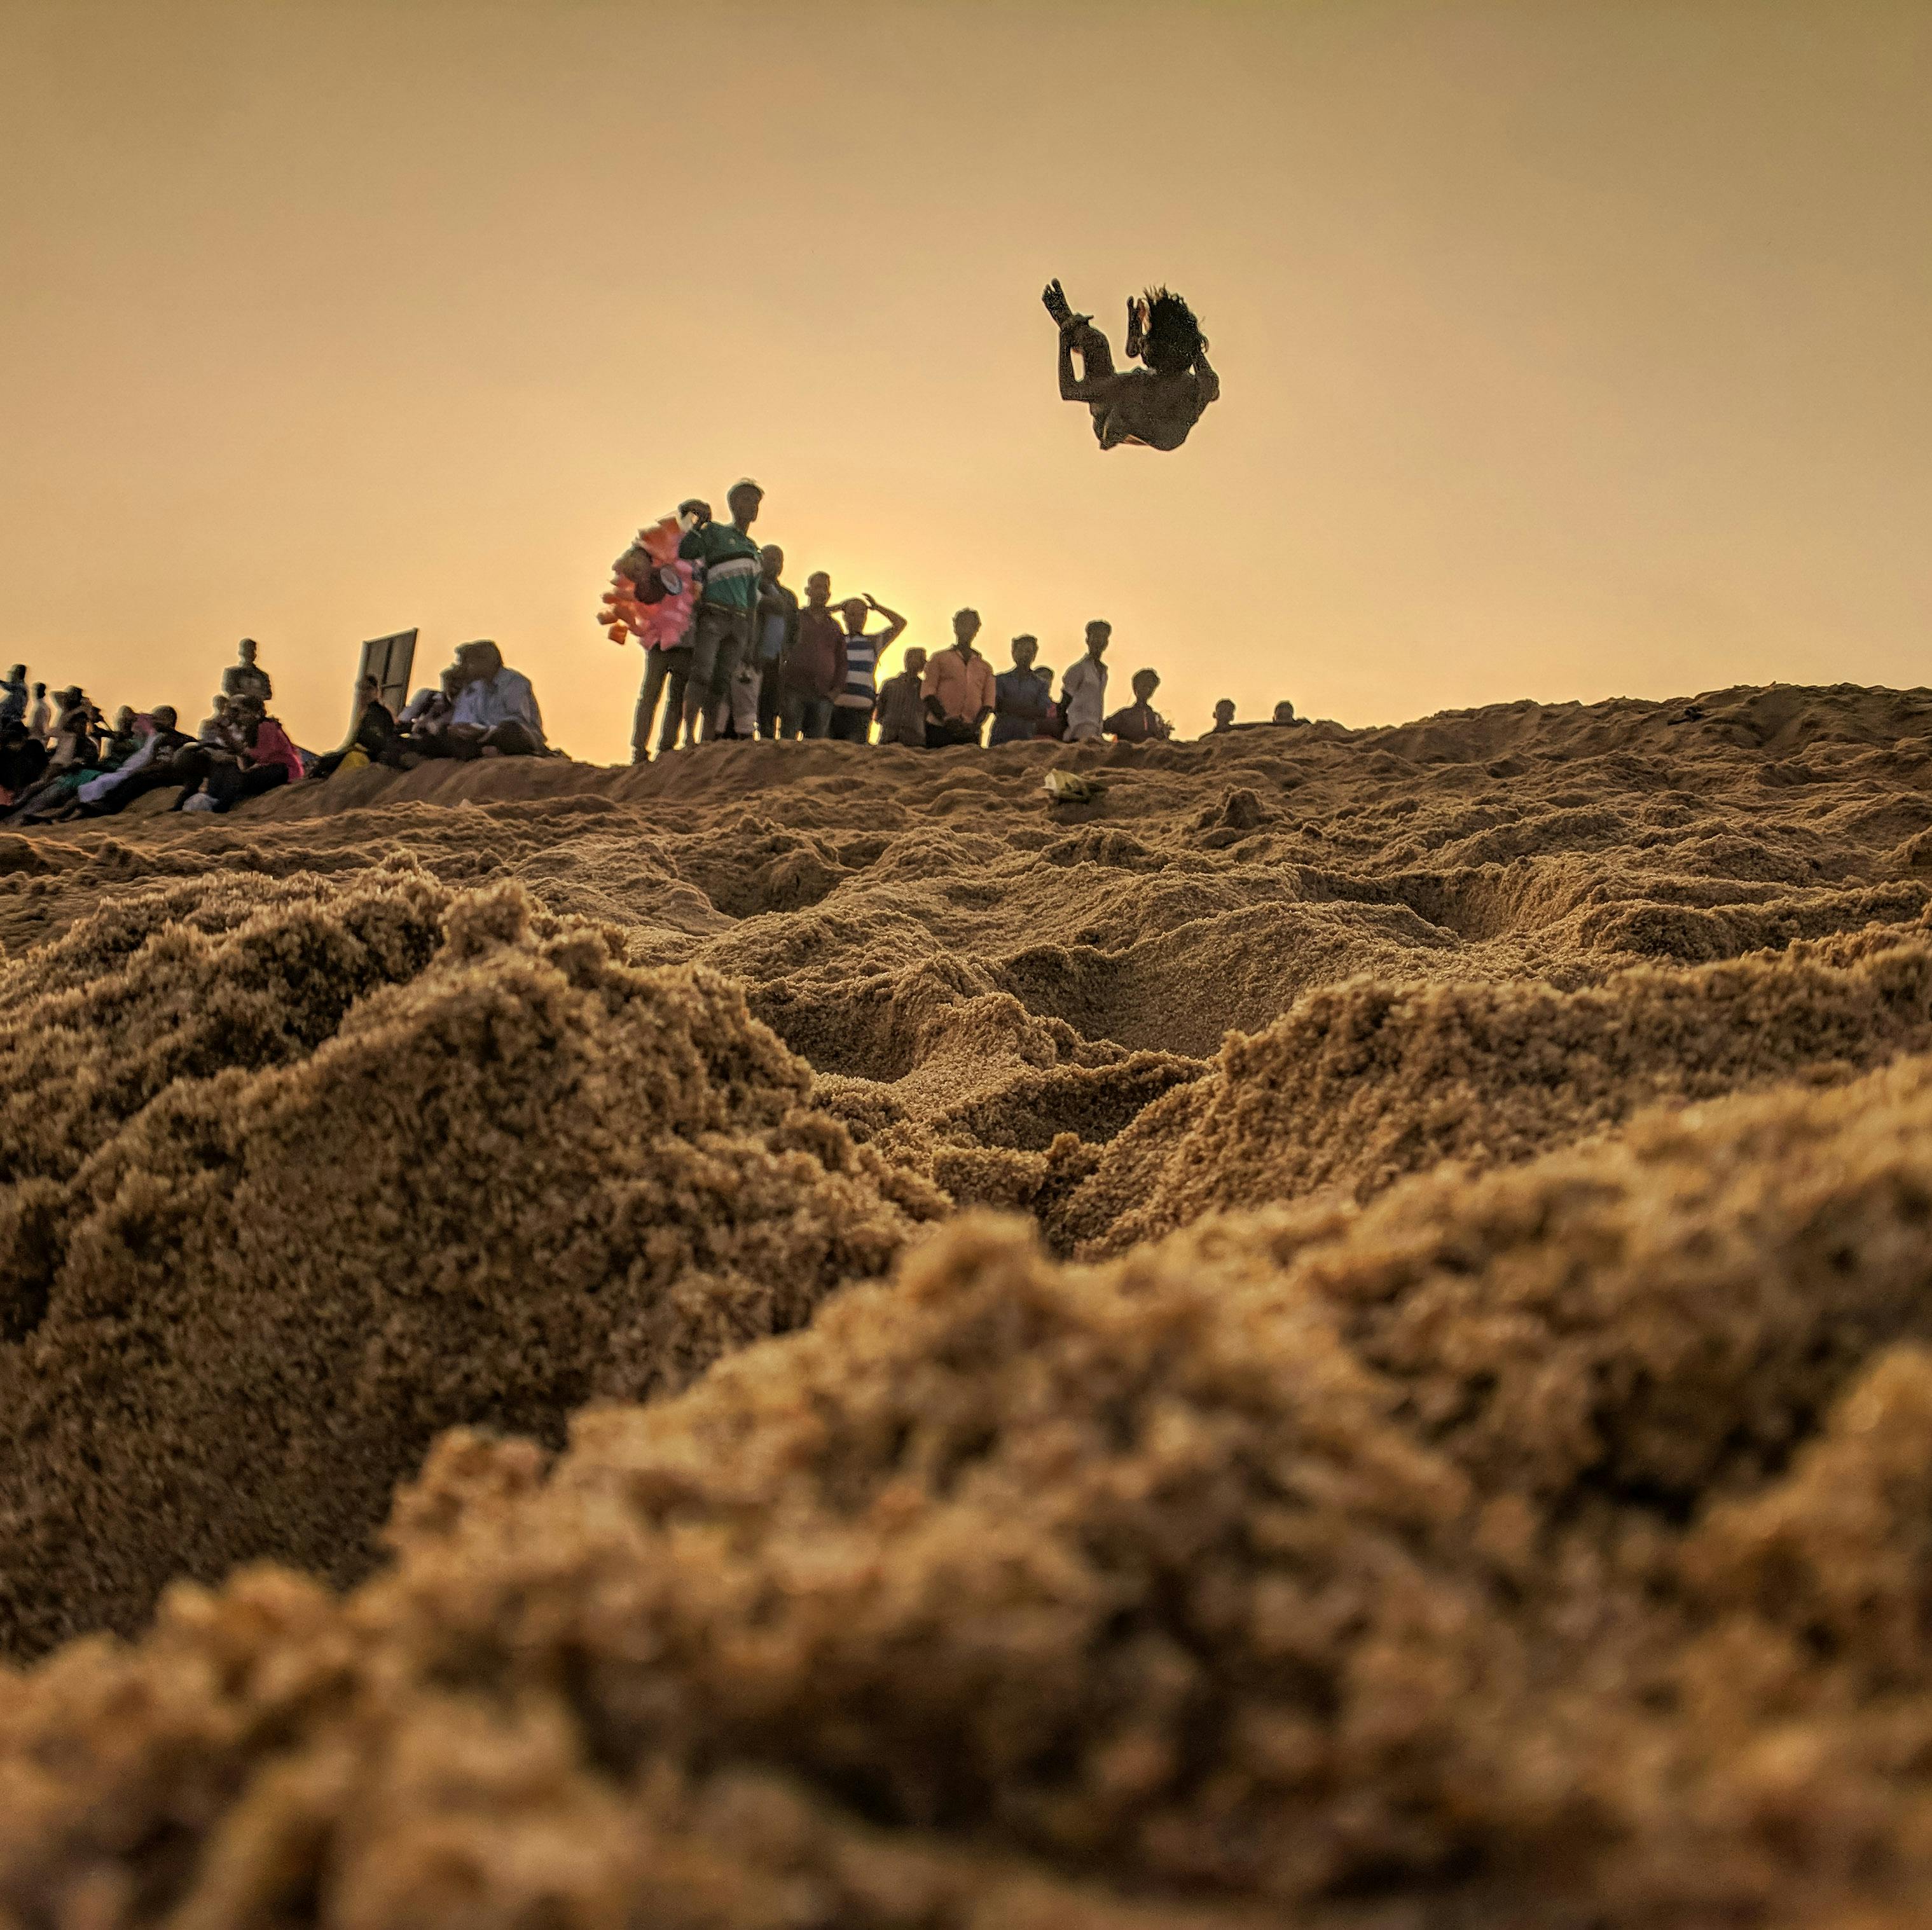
(1095, 354)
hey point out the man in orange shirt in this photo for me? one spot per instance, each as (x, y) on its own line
(959, 689)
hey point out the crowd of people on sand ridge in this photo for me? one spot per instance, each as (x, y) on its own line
(64, 758)
(729, 652)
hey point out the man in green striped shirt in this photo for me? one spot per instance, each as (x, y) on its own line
(721, 635)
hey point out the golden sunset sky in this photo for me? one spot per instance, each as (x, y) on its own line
(1568, 349)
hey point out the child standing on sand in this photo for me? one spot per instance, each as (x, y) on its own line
(1139, 722)
(901, 708)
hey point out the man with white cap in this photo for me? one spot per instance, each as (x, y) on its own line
(721, 635)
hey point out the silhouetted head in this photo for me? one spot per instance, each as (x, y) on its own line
(744, 502)
(39, 690)
(965, 628)
(164, 716)
(1224, 713)
(18, 675)
(221, 703)
(123, 719)
(1025, 649)
(1146, 683)
(453, 679)
(1173, 336)
(1284, 712)
(1100, 634)
(370, 689)
(247, 649)
(915, 660)
(854, 610)
(771, 562)
(818, 589)
(482, 658)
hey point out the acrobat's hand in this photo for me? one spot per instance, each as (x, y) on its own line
(1054, 297)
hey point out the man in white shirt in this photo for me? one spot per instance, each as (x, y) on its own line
(1083, 691)
(496, 712)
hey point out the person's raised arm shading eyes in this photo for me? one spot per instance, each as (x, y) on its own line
(895, 622)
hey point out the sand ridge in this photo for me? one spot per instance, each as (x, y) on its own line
(1434, 1434)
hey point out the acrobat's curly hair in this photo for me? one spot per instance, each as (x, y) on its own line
(1173, 336)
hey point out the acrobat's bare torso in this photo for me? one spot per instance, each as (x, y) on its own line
(1153, 407)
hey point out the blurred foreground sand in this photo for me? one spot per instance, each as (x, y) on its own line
(1341, 1335)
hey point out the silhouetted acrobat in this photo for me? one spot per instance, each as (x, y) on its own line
(1152, 407)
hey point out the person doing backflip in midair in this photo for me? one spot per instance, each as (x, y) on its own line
(1153, 407)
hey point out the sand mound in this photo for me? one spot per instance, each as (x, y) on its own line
(1475, 1476)
(302, 1175)
(1480, 1550)
(1366, 1081)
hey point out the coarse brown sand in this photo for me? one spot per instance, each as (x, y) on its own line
(1438, 1433)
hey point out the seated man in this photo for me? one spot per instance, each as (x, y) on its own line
(372, 739)
(150, 768)
(75, 758)
(1140, 722)
(23, 761)
(265, 760)
(959, 689)
(216, 728)
(902, 707)
(121, 742)
(1153, 407)
(429, 711)
(495, 714)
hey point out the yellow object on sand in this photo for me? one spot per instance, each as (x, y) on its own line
(356, 760)
(1069, 787)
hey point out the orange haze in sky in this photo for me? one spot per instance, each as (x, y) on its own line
(1568, 349)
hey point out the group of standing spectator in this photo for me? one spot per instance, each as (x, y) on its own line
(730, 652)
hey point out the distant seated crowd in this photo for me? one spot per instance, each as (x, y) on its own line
(65, 759)
(730, 652)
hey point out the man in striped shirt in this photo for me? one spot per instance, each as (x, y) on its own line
(721, 637)
(852, 708)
